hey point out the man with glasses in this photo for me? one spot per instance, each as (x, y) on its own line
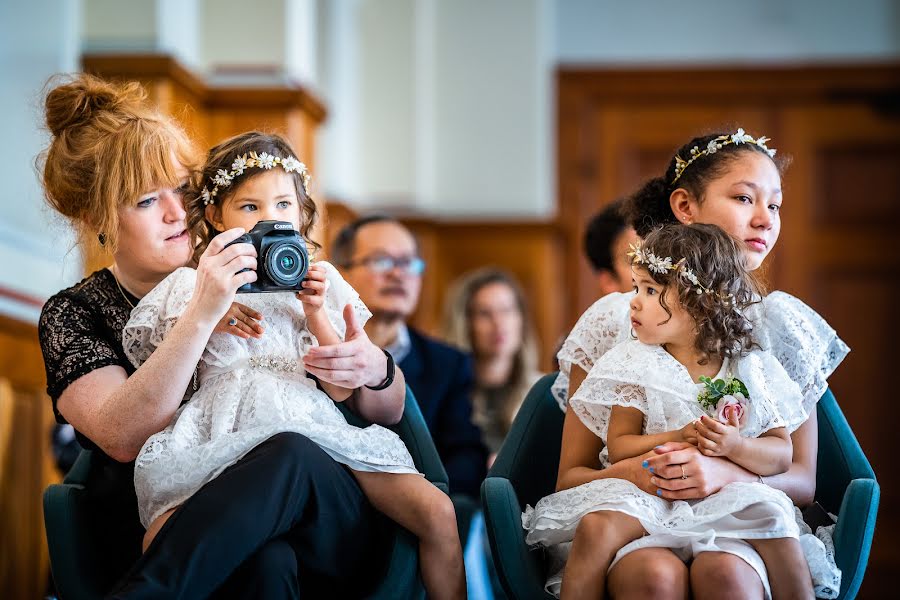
(379, 257)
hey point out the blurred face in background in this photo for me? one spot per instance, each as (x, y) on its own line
(618, 279)
(386, 269)
(495, 321)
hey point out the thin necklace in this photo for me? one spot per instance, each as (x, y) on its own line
(121, 291)
(194, 382)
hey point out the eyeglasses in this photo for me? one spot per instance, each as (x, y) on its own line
(411, 265)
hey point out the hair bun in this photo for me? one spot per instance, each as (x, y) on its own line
(648, 208)
(77, 102)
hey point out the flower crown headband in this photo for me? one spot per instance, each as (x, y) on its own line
(661, 265)
(717, 144)
(266, 161)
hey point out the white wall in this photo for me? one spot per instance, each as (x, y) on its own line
(242, 33)
(37, 39)
(450, 105)
(732, 31)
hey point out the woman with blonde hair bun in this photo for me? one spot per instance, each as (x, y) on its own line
(117, 169)
(487, 314)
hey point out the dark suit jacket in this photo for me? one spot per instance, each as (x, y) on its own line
(441, 378)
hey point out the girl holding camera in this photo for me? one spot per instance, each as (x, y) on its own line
(254, 385)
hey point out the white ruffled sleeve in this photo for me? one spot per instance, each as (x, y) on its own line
(802, 341)
(601, 327)
(156, 314)
(339, 294)
(775, 400)
(614, 380)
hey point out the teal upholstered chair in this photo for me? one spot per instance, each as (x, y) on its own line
(526, 467)
(78, 562)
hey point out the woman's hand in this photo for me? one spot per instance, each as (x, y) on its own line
(353, 363)
(241, 321)
(219, 275)
(681, 472)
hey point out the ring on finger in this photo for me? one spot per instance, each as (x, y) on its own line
(232, 322)
(683, 474)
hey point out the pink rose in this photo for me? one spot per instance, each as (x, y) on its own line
(732, 405)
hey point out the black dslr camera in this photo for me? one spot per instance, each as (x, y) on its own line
(282, 261)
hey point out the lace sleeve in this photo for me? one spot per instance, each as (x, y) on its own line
(803, 342)
(156, 314)
(601, 327)
(73, 344)
(610, 383)
(338, 295)
(774, 397)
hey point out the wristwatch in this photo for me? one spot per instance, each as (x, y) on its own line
(391, 367)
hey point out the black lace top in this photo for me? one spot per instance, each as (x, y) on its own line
(80, 331)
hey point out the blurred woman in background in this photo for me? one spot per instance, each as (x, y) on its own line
(486, 314)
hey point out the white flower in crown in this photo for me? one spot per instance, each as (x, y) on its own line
(266, 160)
(689, 275)
(636, 253)
(658, 264)
(712, 147)
(740, 137)
(222, 178)
(207, 197)
(239, 164)
(291, 164)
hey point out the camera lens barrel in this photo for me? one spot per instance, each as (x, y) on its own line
(286, 263)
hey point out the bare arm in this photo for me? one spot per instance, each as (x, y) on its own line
(625, 439)
(769, 454)
(119, 413)
(313, 297)
(799, 481)
(357, 362)
(579, 460)
(708, 474)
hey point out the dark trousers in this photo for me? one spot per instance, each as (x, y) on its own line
(283, 520)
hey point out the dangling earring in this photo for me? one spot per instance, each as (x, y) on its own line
(101, 237)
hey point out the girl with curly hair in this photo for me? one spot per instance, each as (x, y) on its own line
(693, 374)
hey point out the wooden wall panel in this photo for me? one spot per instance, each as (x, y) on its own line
(532, 252)
(26, 465)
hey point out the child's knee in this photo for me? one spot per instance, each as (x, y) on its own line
(595, 527)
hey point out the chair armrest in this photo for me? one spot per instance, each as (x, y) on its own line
(519, 568)
(854, 531)
(75, 568)
(414, 433)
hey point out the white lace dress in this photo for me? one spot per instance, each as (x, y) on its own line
(249, 390)
(647, 378)
(799, 338)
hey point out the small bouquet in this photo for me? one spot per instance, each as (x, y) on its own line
(724, 398)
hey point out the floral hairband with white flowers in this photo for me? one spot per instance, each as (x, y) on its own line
(716, 144)
(223, 178)
(662, 264)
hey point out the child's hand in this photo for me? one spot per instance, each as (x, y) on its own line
(689, 433)
(313, 293)
(718, 439)
(241, 321)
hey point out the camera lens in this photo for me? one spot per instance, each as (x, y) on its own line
(286, 264)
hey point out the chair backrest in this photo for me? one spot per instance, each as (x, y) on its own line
(840, 457)
(413, 430)
(529, 457)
